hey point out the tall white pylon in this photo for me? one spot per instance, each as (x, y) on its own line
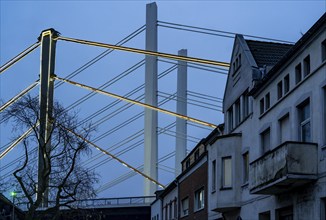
(181, 124)
(150, 127)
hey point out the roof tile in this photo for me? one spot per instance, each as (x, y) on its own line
(267, 53)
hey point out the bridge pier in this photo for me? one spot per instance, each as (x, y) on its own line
(151, 121)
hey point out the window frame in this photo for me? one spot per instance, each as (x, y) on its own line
(286, 84)
(323, 50)
(267, 101)
(199, 199)
(175, 209)
(196, 155)
(182, 213)
(264, 147)
(230, 118)
(323, 208)
(187, 163)
(304, 121)
(214, 176)
(279, 90)
(262, 105)
(245, 105)
(281, 122)
(298, 73)
(245, 159)
(224, 179)
(237, 112)
(306, 66)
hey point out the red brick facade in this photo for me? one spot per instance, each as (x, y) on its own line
(187, 188)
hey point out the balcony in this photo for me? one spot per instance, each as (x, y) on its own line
(286, 167)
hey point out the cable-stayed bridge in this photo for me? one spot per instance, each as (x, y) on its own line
(124, 102)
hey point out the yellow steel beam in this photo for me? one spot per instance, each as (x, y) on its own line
(146, 52)
(115, 158)
(137, 103)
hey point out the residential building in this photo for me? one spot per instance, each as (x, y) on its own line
(268, 160)
(186, 197)
(271, 161)
(156, 207)
(193, 184)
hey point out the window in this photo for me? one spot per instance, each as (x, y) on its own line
(166, 212)
(237, 63)
(187, 163)
(266, 140)
(279, 90)
(267, 101)
(226, 172)
(323, 51)
(245, 158)
(286, 84)
(214, 176)
(230, 118)
(237, 112)
(199, 199)
(304, 118)
(265, 216)
(170, 210)
(285, 129)
(185, 207)
(245, 106)
(323, 208)
(325, 115)
(196, 154)
(298, 75)
(239, 60)
(175, 209)
(306, 66)
(285, 213)
(262, 106)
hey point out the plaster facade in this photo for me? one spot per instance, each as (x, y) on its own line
(282, 132)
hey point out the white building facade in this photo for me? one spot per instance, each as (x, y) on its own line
(271, 161)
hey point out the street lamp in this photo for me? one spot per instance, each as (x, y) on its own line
(13, 194)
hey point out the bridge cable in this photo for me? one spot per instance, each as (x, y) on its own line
(135, 102)
(218, 31)
(19, 57)
(115, 158)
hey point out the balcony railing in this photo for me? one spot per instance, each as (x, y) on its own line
(286, 167)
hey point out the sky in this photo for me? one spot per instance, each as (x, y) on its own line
(21, 22)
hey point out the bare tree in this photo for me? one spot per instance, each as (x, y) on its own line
(65, 179)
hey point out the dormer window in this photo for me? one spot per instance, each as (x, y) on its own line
(187, 163)
(236, 63)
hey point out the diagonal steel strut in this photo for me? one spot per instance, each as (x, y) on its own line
(146, 52)
(114, 157)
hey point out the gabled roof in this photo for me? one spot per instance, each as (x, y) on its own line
(267, 53)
